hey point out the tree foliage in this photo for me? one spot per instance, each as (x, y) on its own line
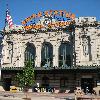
(26, 78)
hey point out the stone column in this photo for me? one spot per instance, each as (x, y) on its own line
(21, 55)
(38, 56)
(55, 54)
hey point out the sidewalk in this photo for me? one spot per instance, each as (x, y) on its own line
(9, 98)
(43, 96)
(35, 96)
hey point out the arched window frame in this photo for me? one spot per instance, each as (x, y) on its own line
(47, 55)
(30, 55)
(64, 55)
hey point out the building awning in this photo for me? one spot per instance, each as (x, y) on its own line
(69, 68)
(11, 68)
(56, 68)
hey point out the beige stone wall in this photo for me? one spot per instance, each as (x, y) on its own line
(87, 26)
(37, 39)
(84, 26)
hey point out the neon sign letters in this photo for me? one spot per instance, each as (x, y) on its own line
(50, 13)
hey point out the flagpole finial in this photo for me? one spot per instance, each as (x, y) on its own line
(7, 5)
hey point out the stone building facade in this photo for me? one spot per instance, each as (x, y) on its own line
(63, 58)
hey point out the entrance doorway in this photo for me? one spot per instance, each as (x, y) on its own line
(7, 84)
(87, 83)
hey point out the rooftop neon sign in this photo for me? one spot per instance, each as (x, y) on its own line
(49, 13)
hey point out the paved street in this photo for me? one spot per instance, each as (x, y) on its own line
(34, 96)
(43, 96)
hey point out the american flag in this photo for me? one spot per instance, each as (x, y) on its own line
(9, 19)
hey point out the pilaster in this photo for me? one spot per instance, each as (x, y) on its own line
(56, 54)
(38, 55)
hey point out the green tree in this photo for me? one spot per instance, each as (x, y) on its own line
(26, 78)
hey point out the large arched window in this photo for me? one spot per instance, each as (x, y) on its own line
(30, 53)
(65, 54)
(46, 54)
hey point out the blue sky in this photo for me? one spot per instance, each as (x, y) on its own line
(20, 9)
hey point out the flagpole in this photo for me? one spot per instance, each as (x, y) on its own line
(5, 17)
